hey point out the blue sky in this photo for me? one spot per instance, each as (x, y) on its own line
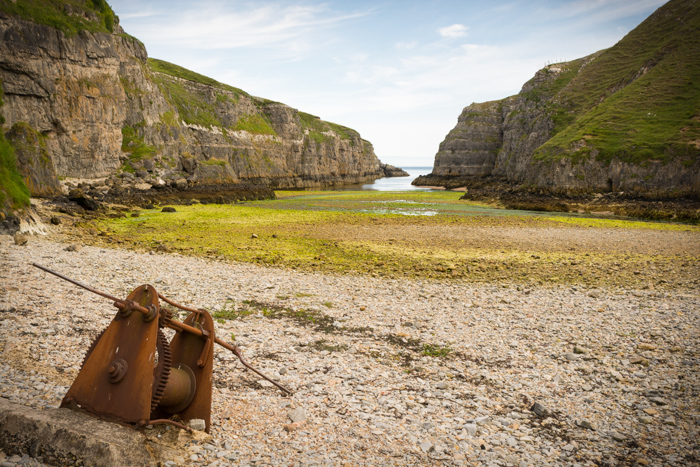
(399, 72)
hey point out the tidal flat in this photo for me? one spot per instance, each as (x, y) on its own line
(429, 235)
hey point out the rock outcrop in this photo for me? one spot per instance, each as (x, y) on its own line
(616, 120)
(66, 437)
(92, 104)
(471, 148)
(33, 160)
(392, 171)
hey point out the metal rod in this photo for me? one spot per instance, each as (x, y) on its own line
(124, 303)
(177, 325)
(72, 281)
(236, 350)
(182, 307)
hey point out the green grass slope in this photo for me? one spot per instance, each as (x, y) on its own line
(639, 100)
(69, 16)
(14, 193)
(161, 66)
(196, 109)
(196, 106)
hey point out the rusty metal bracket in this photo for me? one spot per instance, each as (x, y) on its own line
(131, 373)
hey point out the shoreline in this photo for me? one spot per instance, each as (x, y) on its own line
(411, 371)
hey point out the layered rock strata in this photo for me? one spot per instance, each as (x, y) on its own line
(99, 107)
(614, 121)
(471, 148)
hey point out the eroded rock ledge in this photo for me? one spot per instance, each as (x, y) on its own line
(93, 105)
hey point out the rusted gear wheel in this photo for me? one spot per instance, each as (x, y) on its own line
(92, 347)
(161, 371)
(165, 316)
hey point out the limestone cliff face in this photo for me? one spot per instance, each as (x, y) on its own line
(471, 148)
(100, 108)
(217, 134)
(617, 120)
(68, 90)
(497, 139)
(527, 124)
(392, 171)
(33, 161)
(501, 139)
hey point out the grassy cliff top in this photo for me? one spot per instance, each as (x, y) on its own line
(313, 124)
(69, 16)
(161, 66)
(639, 100)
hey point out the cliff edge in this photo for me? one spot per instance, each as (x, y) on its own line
(625, 119)
(82, 99)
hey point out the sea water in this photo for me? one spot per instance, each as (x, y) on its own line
(399, 183)
(387, 183)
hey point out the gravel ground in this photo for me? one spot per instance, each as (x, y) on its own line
(388, 372)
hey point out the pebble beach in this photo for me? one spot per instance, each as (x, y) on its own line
(384, 371)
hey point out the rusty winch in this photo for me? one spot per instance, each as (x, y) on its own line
(131, 372)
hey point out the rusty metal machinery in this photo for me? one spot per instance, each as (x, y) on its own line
(131, 372)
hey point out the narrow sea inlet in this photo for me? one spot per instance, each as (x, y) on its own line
(421, 234)
(387, 183)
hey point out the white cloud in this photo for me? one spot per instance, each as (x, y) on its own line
(291, 30)
(139, 14)
(456, 30)
(477, 48)
(435, 77)
(371, 74)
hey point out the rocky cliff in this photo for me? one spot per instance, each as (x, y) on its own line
(85, 101)
(471, 148)
(623, 119)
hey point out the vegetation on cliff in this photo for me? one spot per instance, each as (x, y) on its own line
(196, 106)
(134, 145)
(256, 124)
(14, 193)
(33, 161)
(318, 128)
(638, 100)
(69, 16)
(545, 92)
(161, 66)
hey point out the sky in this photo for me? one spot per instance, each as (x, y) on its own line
(397, 71)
